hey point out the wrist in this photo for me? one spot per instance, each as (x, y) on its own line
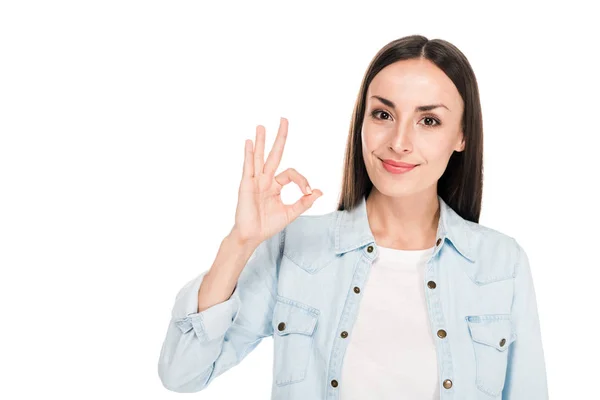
(236, 239)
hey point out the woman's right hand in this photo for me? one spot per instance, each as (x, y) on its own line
(260, 213)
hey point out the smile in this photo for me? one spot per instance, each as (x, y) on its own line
(397, 170)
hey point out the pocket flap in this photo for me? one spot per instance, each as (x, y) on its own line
(290, 316)
(492, 330)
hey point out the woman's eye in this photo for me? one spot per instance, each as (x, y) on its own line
(430, 121)
(381, 113)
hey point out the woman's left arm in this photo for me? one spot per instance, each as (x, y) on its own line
(526, 372)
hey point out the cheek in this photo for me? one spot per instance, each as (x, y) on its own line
(436, 152)
(368, 144)
(372, 138)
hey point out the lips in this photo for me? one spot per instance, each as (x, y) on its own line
(394, 169)
(399, 164)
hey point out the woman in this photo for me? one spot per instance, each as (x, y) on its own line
(399, 293)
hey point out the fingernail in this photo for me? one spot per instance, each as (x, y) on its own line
(308, 190)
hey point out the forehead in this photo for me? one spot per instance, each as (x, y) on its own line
(413, 81)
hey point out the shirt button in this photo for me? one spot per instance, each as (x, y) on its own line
(447, 384)
(438, 241)
(344, 334)
(334, 383)
(442, 334)
(502, 342)
(431, 285)
(370, 249)
(356, 289)
(281, 326)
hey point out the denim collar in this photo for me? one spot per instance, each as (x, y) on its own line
(352, 230)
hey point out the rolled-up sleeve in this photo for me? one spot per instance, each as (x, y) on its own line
(199, 346)
(209, 324)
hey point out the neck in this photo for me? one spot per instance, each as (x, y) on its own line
(407, 222)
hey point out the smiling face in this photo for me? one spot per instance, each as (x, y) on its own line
(415, 120)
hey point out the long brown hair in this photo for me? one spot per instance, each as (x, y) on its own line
(461, 184)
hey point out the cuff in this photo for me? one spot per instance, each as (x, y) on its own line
(209, 324)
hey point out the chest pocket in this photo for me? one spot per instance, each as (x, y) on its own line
(294, 325)
(492, 336)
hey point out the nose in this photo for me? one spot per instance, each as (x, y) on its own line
(402, 139)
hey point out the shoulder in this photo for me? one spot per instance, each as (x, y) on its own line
(487, 236)
(309, 240)
(492, 247)
(309, 229)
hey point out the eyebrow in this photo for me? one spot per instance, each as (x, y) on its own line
(427, 107)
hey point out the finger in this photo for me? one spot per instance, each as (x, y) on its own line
(248, 171)
(303, 204)
(291, 175)
(276, 152)
(259, 150)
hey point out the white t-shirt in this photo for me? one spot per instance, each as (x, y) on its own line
(391, 353)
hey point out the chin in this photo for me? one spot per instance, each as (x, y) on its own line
(396, 189)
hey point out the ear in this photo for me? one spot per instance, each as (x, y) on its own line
(461, 145)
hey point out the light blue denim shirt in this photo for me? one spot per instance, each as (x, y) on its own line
(303, 287)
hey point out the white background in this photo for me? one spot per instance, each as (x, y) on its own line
(122, 139)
